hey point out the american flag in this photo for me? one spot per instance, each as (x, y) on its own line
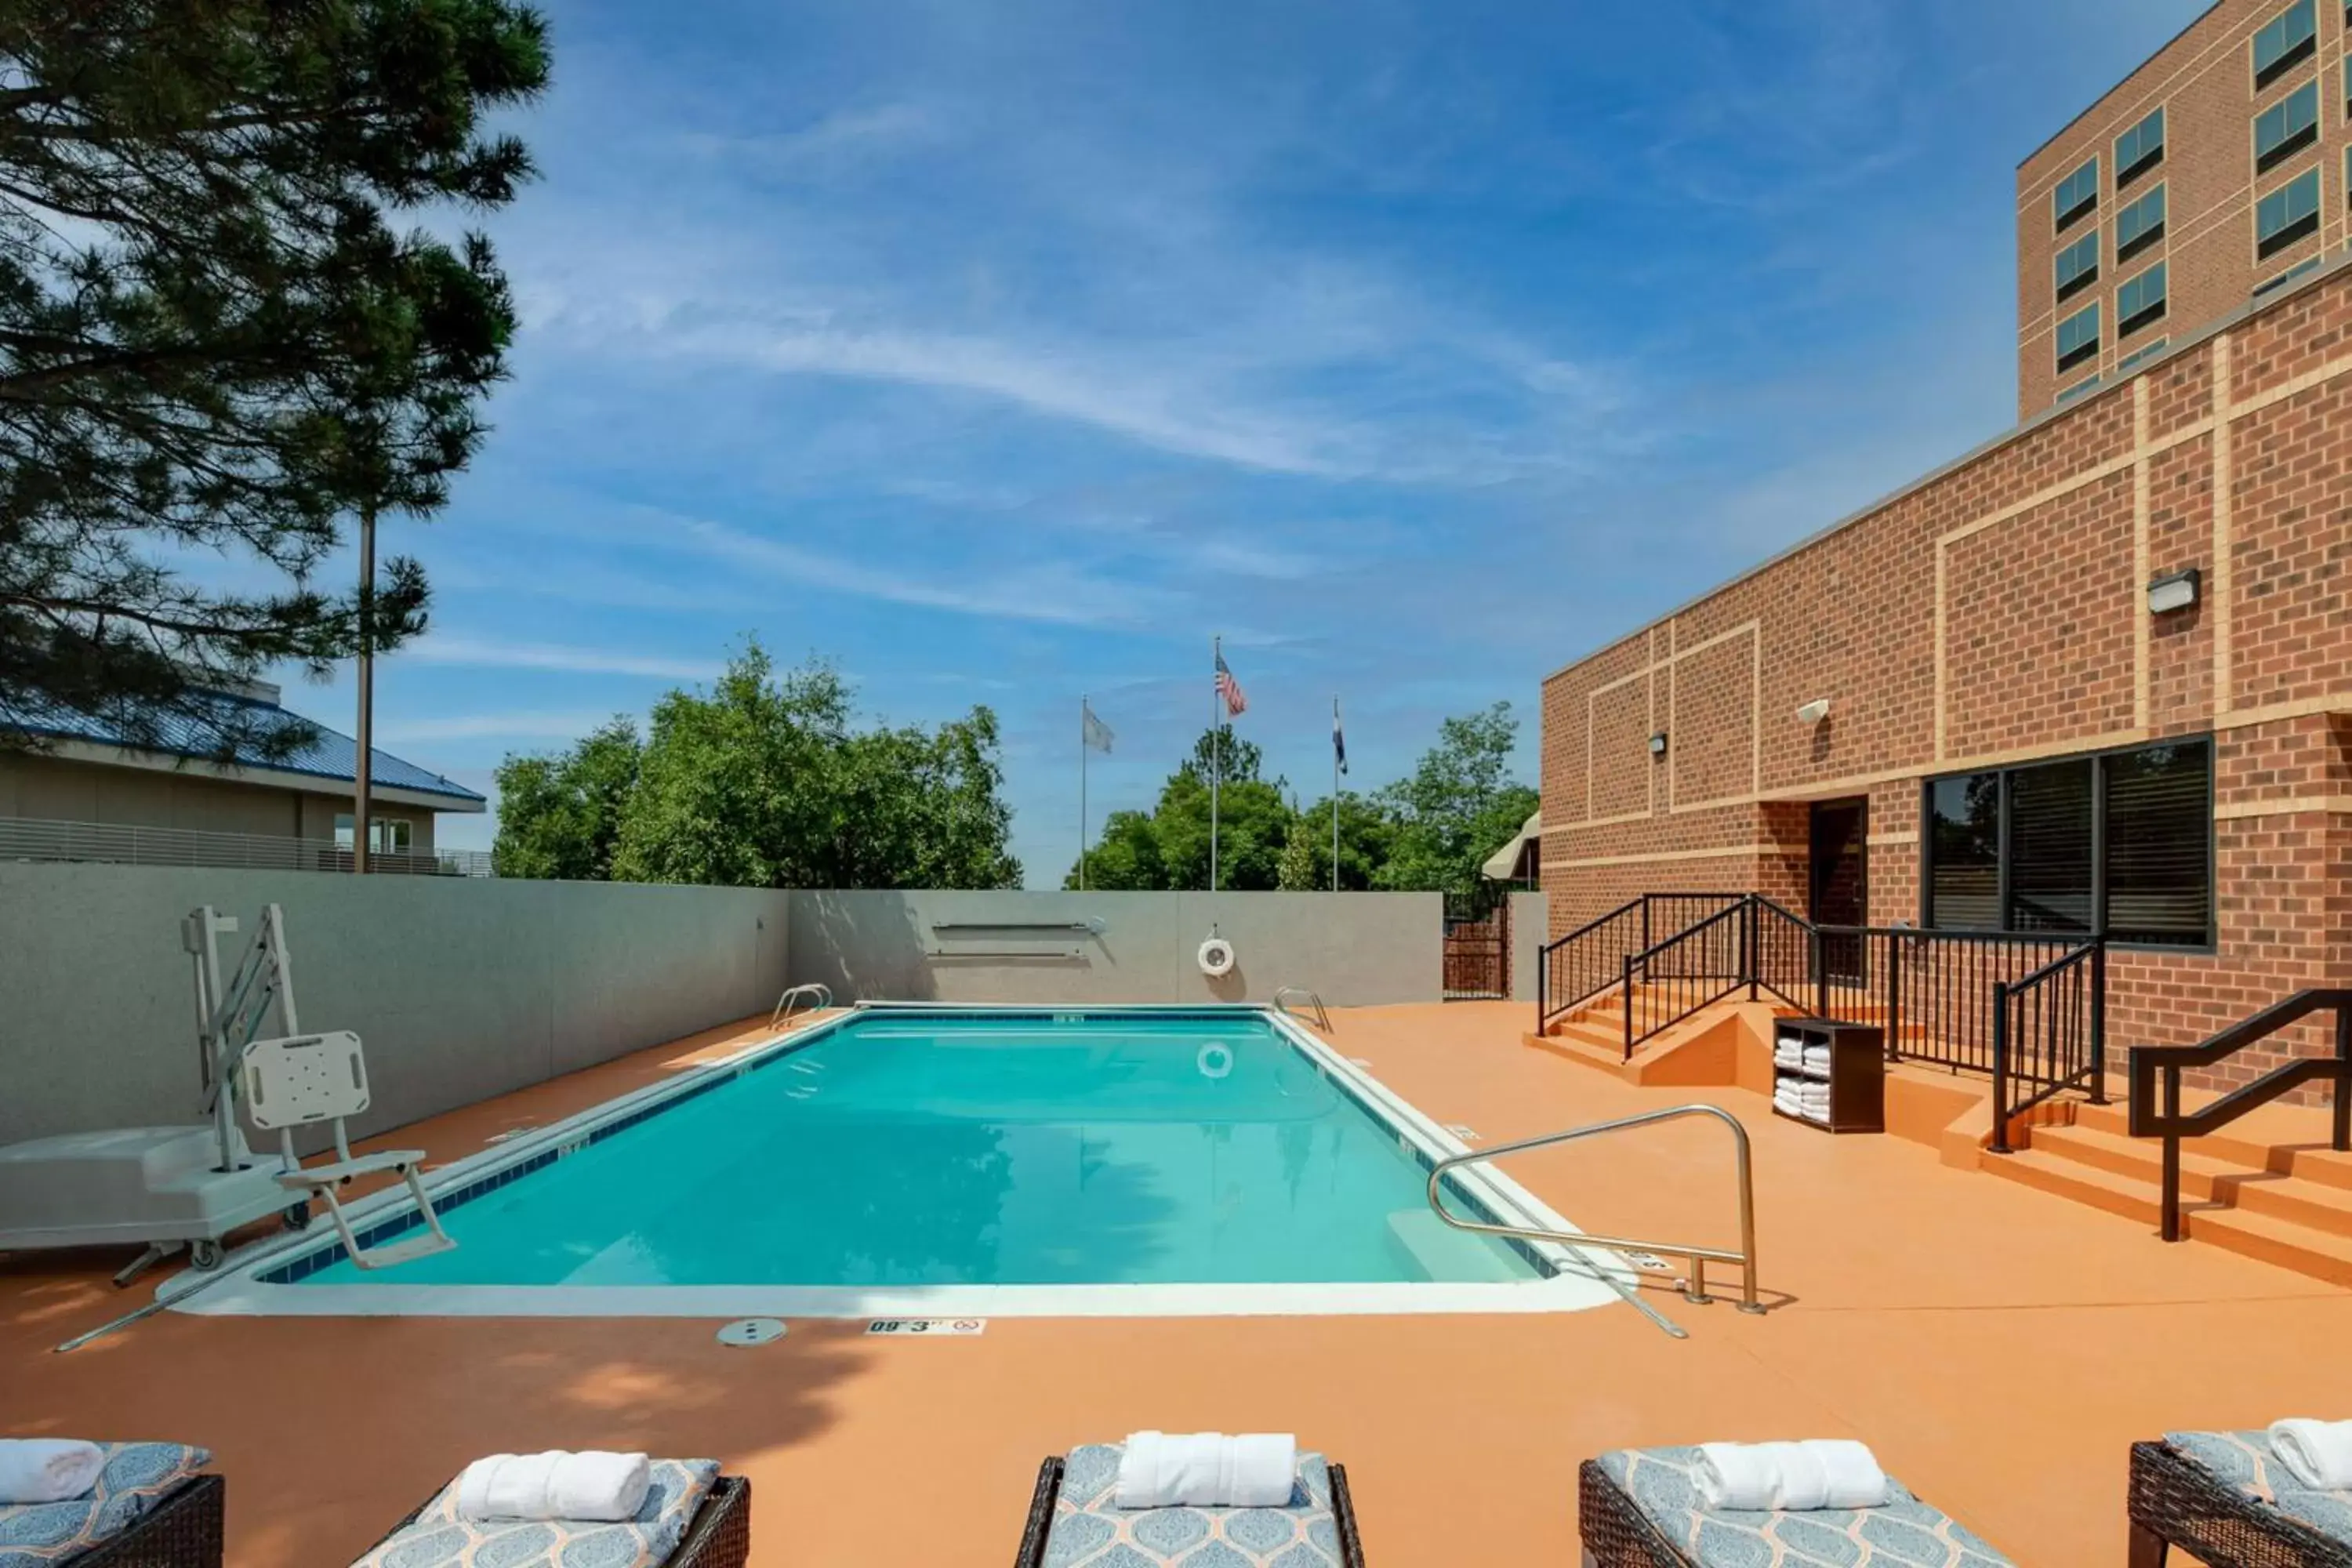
(1230, 690)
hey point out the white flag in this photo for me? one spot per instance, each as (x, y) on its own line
(1097, 734)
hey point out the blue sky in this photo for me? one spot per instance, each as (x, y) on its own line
(1001, 352)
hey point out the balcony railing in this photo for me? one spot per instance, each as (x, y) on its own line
(31, 839)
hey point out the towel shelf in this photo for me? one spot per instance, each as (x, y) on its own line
(1856, 1074)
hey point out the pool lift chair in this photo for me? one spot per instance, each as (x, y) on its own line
(190, 1186)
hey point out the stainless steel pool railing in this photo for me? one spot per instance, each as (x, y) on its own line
(783, 1012)
(1281, 1004)
(1695, 1287)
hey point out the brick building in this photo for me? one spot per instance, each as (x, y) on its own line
(2018, 733)
(2215, 172)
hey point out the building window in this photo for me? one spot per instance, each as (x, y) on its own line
(2080, 387)
(2286, 127)
(2142, 354)
(2139, 149)
(2286, 40)
(2077, 194)
(2120, 843)
(2078, 265)
(2288, 214)
(2078, 337)
(2139, 301)
(2140, 224)
(392, 834)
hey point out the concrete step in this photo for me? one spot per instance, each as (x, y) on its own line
(2269, 1237)
(2205, 1179)
(2305, 1153)
(1577, 1050)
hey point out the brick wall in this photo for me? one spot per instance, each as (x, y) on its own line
(1997, 613)
(2203, 80)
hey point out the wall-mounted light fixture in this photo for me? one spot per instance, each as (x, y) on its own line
(2173, 590)
(1658, 743)
(1814, 712)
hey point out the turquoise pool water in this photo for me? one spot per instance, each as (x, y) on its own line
(971, 1149)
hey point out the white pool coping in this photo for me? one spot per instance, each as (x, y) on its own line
(1584, 1280)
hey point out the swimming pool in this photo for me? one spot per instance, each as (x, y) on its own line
(905, 1159)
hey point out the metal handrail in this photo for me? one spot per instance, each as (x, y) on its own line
(1695, 1287)
(783, 1012)
(1322, 1018)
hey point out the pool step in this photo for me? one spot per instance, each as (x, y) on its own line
(1440, 1252)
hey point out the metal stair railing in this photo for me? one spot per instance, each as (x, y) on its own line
(1281, 1004)
(783, 1012)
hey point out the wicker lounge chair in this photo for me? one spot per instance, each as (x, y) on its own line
(717, 1535)
(152, 1509)
(2223, 1498)
(1073, 1498)
(1639, 1509)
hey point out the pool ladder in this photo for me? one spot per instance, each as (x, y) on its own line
(795, 993)
(1694, 1286)
(1281, 1004)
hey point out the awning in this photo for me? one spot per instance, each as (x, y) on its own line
(1514, 861)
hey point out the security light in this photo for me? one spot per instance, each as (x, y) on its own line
(1814, 712)
(1658, 743)
(2174, 591)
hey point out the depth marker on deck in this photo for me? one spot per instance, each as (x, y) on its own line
(932, 1327)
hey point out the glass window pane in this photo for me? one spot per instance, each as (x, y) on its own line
(1964, 853)
(2049, 847)
(2159, 844)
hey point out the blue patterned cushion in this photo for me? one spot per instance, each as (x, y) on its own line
(2246, 1461)
(1905, 1533)
(437, 1538)
(137, 1477)
(1090, 1530)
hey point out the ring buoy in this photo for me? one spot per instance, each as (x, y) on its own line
(1216, 1060)
(1216, 958)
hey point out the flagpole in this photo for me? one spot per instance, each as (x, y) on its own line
(1335, 792)
(1082, 792)
(1216, 754)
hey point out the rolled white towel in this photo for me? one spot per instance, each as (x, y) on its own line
(1207, 1469)
(48, 1469)
(1790, 1478)
(590, 1485)
(2317, 1453)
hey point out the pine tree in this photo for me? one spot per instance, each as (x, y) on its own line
(221, 334)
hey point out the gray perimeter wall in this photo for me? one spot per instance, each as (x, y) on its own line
(1353, 949)
(462, 988)
(1526, 939)
(467, 988)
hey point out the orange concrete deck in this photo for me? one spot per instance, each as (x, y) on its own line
(1999, 1347)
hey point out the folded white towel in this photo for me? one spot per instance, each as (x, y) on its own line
(1788, 1054)
(1790, 1478)
(1207, 1469)
(588, 1485)
(48, 1469)
(2317, 1453)
(1817, 1055)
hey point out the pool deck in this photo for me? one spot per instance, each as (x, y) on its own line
(2000, 1348)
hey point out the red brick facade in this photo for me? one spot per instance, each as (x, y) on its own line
(2204, 82)
(1997, 612)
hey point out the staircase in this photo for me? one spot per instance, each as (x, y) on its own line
(2286, 1202)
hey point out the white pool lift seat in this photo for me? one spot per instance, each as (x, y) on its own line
(297, 1080)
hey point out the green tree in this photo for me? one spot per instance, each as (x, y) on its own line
(1303, 868)
(1367, 836)
(559, 816)
(763, 783)
(1169, 848)
(1458, 806)
(222, 334)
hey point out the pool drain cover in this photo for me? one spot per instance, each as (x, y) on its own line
(752, 1332)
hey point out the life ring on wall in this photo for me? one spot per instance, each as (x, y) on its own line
(1216, 958)
(1216, 1060)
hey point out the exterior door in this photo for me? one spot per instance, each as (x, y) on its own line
(1478, 950)
(1840, 893)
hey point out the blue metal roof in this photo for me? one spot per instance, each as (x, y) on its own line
(328, 754)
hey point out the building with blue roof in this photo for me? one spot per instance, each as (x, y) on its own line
(87, 792)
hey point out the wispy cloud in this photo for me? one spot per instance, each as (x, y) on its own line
(487, 654)
(525, 726)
